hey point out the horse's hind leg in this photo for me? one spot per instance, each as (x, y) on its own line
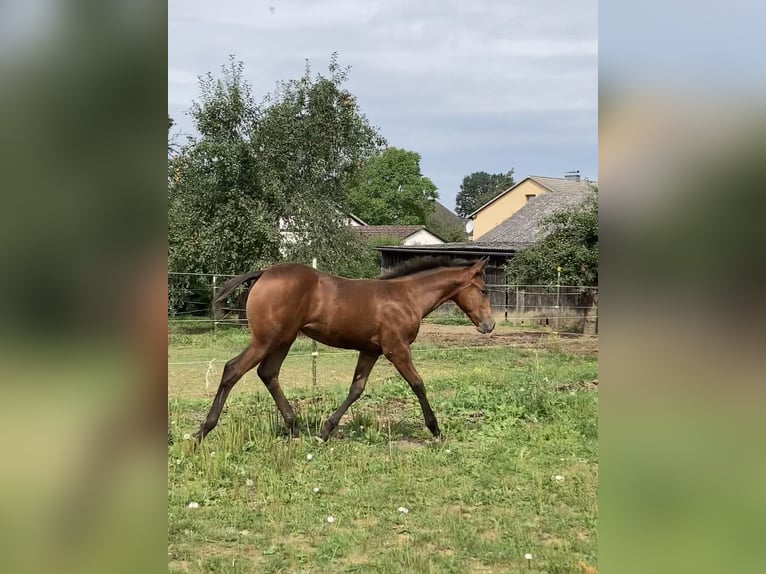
(234, 370)
(268, 371)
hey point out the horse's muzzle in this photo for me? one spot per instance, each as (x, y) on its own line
(486, 326)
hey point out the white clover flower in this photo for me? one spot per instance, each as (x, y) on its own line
(330, 519)
(193, 505)
(187, 436)
(212, 453)
(448, 451)
(332, 449)
(403, 510)
(558, 477)
(178, 461)
(244, 532)
(528, 556)
(309, 456)
(249, 482)
(316, 489)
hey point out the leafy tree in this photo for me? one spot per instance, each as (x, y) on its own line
(390, 190)
(258, 169)
(480, 187)
(446, 225)
(311, 139)
(219, 221)
(572, 245)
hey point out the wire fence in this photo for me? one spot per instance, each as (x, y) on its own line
(567, 308)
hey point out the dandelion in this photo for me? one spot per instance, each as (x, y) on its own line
(403, 510)
(330, 519)
(249, 482)
(193, 505)
(528, 556)
(187, 436)
(316, 489)
(309, 456)
(558, 477)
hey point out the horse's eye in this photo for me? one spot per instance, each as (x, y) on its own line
(484, 291)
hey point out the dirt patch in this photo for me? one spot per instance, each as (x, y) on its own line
(368, 522)
(467, 336)
(578, 386)
(408, 443)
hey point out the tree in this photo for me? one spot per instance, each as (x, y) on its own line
(446, 224)
(480, 187)
(311, 139)
(219, 221)
(390, 190)
(258, 168)
(571, 244)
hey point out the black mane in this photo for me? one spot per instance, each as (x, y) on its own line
(424, 264)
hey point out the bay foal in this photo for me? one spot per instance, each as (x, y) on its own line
(373, 316)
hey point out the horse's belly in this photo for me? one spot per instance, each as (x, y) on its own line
(360, 341)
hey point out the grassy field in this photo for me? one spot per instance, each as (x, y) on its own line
(515, 474)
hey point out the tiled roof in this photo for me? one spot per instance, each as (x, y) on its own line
(393, 231)
(523, 227)
(553, 184)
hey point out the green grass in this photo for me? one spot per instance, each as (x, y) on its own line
(478, 501)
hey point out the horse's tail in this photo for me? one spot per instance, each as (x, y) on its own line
(228, 288)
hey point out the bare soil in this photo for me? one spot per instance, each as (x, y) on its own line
(502, 336)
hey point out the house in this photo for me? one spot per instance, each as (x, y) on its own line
(404, 234)
(353, 221)
(500, 244)
(525, 226)
(506, 204)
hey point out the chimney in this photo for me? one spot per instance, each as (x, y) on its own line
(572, 175)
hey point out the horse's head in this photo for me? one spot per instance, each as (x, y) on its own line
(472, 297)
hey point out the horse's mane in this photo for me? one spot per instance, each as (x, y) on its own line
(419, 264)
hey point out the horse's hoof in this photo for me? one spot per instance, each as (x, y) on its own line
(319, 440)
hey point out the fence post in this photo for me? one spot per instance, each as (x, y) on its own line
(314, 351)
(212, 307)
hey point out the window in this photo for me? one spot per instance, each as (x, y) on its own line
(530, 196)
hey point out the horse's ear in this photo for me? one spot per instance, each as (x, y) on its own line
(478, 267)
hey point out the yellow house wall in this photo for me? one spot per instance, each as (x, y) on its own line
(500, 210)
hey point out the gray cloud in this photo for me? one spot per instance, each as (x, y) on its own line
(470, 85)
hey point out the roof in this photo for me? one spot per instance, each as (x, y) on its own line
(355, 218)
(554, 184)
(523, 227)
(393, 231)
(471, 248)
(443, 214)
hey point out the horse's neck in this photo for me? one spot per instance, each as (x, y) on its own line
(433, 289)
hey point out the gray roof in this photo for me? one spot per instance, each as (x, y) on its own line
(470, 248)
(523, 227)
(550, 183)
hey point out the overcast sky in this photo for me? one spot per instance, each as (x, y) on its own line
(474, 85)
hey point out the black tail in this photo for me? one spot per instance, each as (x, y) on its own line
(228, 288)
